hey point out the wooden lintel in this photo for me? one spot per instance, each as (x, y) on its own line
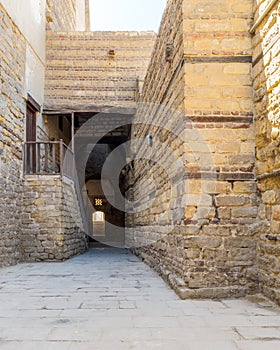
(58, 110)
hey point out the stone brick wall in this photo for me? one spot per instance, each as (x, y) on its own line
(266, 60)
(81, 72)
(12, 111)
(211, 252)
(199, 220)
(22, 211)
(159, 187)
(52, 229)
(219, 108)
(61, 15)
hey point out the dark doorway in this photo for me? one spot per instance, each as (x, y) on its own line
(31, 126)
(114, 224)
(102, 139)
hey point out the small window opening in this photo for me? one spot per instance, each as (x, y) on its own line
(98, 202)
(98, 216)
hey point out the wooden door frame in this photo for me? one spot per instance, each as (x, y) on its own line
(32, 108)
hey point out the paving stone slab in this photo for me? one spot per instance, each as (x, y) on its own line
(109, 299)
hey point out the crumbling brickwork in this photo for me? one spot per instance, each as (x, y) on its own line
(96, 68)
(266, 61)
(12, 111)
(52, 226)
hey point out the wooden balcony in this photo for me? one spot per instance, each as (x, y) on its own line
(54, 158)
(48, 158)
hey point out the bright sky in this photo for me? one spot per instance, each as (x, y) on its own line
(117, 15)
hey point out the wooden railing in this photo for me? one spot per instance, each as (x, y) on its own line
(54, 158)
(48, 158)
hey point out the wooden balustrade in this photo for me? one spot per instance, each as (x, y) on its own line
(48, 158)
(54, 158)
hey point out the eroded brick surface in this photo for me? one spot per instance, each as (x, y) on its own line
(267, 119)
(52, 228)
(202, 219)
(12, 111)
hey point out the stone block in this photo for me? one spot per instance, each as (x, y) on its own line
(224, 213)
(246, 212)
(239, 242)
(269, 197)
(231, 200)
(245, 187)
(189, 212)
(197, 200)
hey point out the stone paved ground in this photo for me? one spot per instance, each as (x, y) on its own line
(108, 299)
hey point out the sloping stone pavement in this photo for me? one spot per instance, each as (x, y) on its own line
(109, 299)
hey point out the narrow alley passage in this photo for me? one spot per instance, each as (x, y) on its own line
(109, 299)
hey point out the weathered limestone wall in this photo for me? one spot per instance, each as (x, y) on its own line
(266, 71)
(212, 250)
(12, 110)
(159, 170)
(61, 15)
(52, 227)
(80, 71)
(80, 15)
(33, 29)
(29, 20)
(220, 173)
(22, 53)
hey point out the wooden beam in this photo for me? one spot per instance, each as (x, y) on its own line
(55, 110)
